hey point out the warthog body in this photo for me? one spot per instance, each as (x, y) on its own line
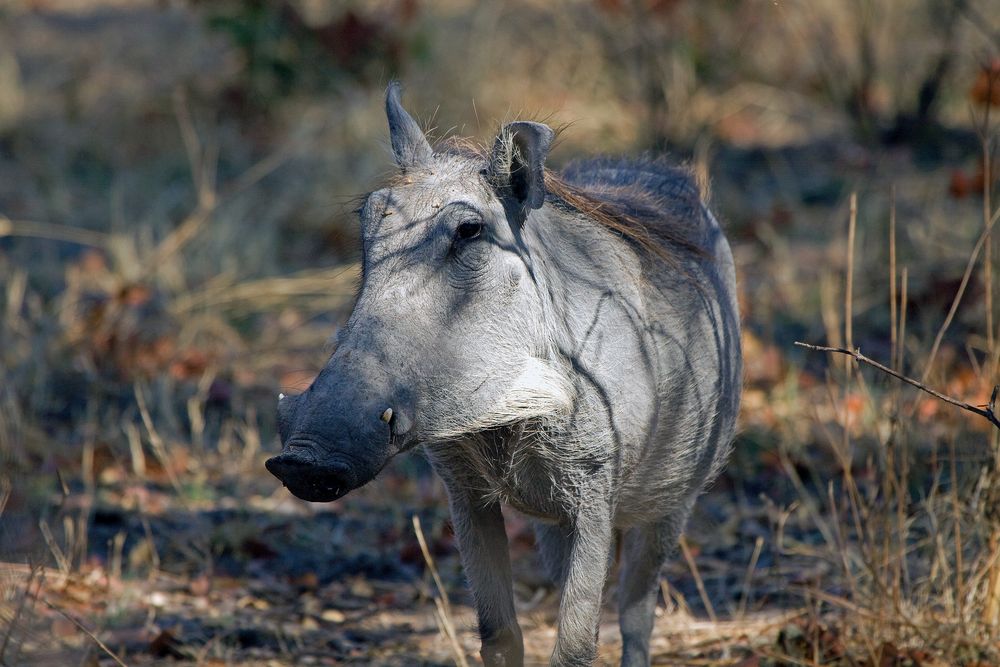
(566, 345)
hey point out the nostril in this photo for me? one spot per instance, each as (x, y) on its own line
(283, 465)
(276, 465)
(293, 460)
(302, 453)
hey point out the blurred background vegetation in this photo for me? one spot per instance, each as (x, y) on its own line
(177, 245)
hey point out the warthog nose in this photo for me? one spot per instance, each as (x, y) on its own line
(310, 477)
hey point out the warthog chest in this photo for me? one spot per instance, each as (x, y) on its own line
(510, 470)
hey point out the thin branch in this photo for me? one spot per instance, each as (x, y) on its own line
(32, 574)
(51, 232)
(980, 22)
(82, 628)
(441, 601)
(985, 412)
(969, 266)
(697, 579)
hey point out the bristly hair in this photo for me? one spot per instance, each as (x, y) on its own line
(650, 220)
(658, 213)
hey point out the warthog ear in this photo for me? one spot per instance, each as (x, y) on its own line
(409, 144)
(517, 165)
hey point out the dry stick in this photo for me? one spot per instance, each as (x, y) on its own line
(970, 265)
(441, 601)
(697, 579)
(894, 340)
(34, 600)
(209, 200)
(748, 577)
(850, 371)
(32, 573)
(62, 560)
(987, 570)
(904, 473)
(991, 607)
(154, 556)
(192, 145)
(841, 547)
(52, 232)
(904, 280)
(893, 453)
(985, 412)
(957, 518)
(159, 447)
(849, 288)
(977, 20)
(988, 254)
(986, 142)
(6, 489)
(336, 283)
(849, 335)
(672, 596)
(84, 630)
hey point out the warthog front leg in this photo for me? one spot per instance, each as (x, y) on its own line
(482, 542)
(583, 585)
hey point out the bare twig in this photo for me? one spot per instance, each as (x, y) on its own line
(970, 265)
(156, 440)
(51, 232)
(62, 559)
(748, 577)
(80, 626)
(33, 573)
(335, 286)
(986, 412)
(849, 286)
(6, 488)
(441, 601)
(697, 579)
(980, 22)
(893, 300)
(209, 197)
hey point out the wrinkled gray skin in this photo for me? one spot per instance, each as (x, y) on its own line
(542, 362)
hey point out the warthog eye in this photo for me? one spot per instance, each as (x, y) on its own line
(469, 230)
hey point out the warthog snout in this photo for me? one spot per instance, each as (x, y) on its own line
(339, 433)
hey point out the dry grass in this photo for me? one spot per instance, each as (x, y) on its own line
(166, 267)
(920, 559)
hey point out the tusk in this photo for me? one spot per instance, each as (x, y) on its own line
(387, 415)
(281, 397)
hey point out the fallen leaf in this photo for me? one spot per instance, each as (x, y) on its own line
(333, 616)
(166, 645)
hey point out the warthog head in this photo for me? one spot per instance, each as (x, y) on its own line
(448, 335)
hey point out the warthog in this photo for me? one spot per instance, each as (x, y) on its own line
(566, 344)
